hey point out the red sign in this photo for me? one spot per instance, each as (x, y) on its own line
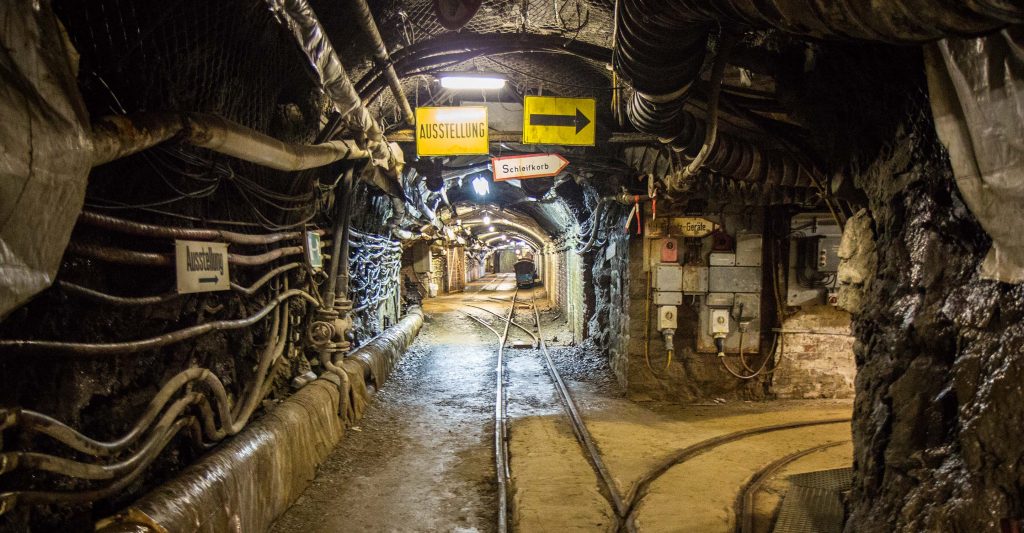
(454, 14)
(522, 167)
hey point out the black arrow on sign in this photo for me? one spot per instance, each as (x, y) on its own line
(208, 280)
(580, 120)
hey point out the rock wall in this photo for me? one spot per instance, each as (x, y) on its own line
(939, 409)
(815, 358)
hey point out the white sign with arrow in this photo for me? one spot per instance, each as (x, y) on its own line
(521, 167)
(201, 266)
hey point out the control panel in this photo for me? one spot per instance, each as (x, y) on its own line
(813, 260)
(712, 264)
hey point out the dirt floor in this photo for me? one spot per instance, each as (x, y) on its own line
(422, 458)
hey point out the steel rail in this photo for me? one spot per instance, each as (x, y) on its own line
(639, 490)
(583, 436)
(500, 428)
(744, 506)
(501, 461)
(536, 339)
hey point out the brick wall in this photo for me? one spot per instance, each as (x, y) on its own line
(816, 360)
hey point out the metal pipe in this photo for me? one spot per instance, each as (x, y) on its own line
(115, 137)
(230, 138)
(298, 17)
(132, 257)
(131, 227)
(369, 26)
(296, 436)
(339, 248)
(89, 349)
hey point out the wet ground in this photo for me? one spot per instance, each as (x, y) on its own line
(422, 458)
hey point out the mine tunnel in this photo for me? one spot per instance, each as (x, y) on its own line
(512, 265)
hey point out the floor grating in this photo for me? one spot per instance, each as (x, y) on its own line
(814, 502)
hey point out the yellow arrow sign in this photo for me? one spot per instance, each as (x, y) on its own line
(451, 131)
(567, 121)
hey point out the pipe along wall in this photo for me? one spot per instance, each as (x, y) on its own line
(250, 480)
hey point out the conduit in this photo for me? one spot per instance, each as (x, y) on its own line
(132, 257)
(661, 45)
(112, 299)
(131, 227)
(89, 349)
(380, 52)
(115, 136)
(249, 481)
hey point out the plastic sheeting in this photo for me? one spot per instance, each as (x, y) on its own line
(977, 94)
(45, 149)
(250, 480)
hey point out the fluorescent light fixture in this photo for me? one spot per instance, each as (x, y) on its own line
(487, 219)
(471, 81)
(481, 186)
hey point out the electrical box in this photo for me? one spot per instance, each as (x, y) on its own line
(669, 251)
(422, 263)
(813, 259)
(668, 278)
(667, 317)
(734, 279)
(722, 259)
(748, 250)
(695, 279)
(668, 298)
(729, 304)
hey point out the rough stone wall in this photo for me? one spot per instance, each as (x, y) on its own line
(939, 408)
(816, 359)
(610, 323)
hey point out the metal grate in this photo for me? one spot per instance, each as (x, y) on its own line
(837, 479)
(814, 503)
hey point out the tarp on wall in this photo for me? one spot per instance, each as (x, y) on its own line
(977, 95)
(45, 149)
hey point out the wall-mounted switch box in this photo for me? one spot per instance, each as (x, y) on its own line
(669, 251)
(719, 321)
(667, 317)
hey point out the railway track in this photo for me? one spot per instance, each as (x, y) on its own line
(625, 506)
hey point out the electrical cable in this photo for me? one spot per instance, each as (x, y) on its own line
(89, 349)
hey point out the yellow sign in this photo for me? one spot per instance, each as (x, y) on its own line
(568, 121)
(691, 226)
(451, 131)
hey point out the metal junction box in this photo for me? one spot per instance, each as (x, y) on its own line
(668, 298)
(734, 279)
(748, 249)
(751, 310)
(668, 278)
(695, 279)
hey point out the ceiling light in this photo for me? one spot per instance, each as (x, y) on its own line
(481, 186)
(487, 219)
(471, 81)
(490, 228)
